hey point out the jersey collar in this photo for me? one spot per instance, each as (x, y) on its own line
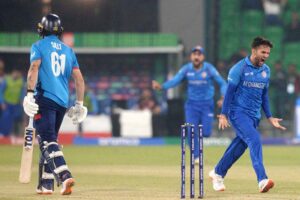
(200, 69)
(51, 36)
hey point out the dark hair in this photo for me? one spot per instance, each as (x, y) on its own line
(261, 41)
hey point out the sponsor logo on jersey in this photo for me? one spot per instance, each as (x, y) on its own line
(254, 84)
(249, 74)
(197, 82)
(190, 74)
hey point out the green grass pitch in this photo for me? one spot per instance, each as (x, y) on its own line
(125, 173)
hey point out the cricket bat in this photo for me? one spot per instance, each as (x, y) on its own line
(27, 154)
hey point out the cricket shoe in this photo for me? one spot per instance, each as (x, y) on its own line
(217, 181)
(67, 186)
(265, 185)
(46, 187)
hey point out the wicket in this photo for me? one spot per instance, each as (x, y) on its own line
(185, 129)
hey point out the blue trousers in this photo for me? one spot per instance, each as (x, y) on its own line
(199, 113)
(49, 119)
(47, 123)
(246, 136)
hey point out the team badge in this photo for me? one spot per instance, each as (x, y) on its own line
(204, 74)
(264, 74)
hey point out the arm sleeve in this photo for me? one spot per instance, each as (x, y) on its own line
(234, 75)
(228, 98)
(234, 78)
(222, 83)
(176, 79)
(34, 53)
(75, 64)
(265, 103)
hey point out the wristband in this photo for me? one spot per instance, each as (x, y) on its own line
(79, 103)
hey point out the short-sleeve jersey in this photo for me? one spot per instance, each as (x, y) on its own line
(250, 81)
(57, 63)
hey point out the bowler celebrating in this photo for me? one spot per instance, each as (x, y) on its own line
(247, 92)
(199, 106)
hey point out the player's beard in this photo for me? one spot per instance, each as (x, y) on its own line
(197, 63)
(259, 61)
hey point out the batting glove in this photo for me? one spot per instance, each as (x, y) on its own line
(78, 112)
(29, 105)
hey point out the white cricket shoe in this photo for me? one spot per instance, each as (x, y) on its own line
(217, 180)
(67, 186)
(43, 190)
(265, 185)
(46, 187)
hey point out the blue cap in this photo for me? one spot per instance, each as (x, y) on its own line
(198, 48)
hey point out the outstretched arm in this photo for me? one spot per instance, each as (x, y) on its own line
(221, 82)
(170, 83)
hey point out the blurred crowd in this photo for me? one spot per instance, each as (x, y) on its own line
(274, 11)
(12, 91)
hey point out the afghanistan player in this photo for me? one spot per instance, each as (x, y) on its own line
(247, 92)
(199, 106)
(52, 65)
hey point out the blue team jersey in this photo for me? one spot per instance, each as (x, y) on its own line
(200, 82)
(58, 61)
(250, 81)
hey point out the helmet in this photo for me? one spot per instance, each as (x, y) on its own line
(50, 25)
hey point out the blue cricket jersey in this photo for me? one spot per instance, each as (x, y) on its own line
(200, 82)
(58, 61)
(250, 84)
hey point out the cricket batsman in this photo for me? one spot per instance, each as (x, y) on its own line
(52, 63)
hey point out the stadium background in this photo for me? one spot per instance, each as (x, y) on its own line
(122, 45)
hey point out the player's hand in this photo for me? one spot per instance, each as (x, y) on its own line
(78, 112)
(275, 123)
(156, 85)
(223, 122)
(29, 105)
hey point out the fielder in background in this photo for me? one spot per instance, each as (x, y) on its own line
(247, 92)
(199, 106)
(52, 65)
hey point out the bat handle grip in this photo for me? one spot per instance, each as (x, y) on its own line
(30, 122)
